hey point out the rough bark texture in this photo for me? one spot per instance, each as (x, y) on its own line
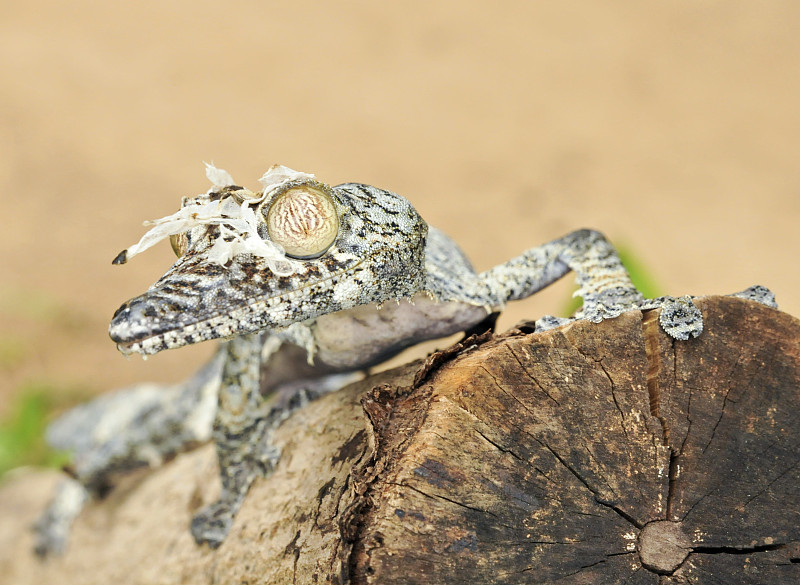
(591, 454)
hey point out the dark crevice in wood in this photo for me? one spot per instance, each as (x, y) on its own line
(597, 497)
(599, 362)
(735, 550)
(532, 376)
(438, 358)
(444, 498)
(598, 562)
(674, 465)
(499, 447)
(619, 511)
(772, 482)
(652, 333)
(719, 419)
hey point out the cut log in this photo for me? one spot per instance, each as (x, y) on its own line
(594, 453)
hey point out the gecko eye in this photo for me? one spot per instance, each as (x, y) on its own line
(179, 243)
(304, 221)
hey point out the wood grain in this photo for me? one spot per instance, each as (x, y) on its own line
(595, 454)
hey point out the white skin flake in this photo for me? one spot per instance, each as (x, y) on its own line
(238, 226)
(219, 177)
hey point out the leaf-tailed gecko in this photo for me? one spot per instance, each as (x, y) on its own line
(306, 285)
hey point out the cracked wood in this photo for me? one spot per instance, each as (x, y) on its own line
(595, 454)
(520, 458)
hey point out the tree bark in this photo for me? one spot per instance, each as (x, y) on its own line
(594, 453)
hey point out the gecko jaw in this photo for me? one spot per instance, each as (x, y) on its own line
(266, 313)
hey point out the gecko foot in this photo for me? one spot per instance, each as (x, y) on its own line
(680, 318)
(250, 453)
(242, 459)
(758, 293)
(53, 526)
(212, 524)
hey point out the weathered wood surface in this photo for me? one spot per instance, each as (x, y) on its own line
(591, 454)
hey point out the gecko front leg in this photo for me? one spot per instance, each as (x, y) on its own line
(603, 283)
(240, 434)
(245, 422)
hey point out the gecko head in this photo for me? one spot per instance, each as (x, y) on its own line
(254, 261)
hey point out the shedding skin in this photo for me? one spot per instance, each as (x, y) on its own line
(298, 324)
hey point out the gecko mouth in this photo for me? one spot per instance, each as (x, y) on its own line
(130, 341)
(152, 344)
(149, 323)
(131, 338)
(150, 341)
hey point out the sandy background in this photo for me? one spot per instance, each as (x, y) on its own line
(672, 126)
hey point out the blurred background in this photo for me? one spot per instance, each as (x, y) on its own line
(673, 127)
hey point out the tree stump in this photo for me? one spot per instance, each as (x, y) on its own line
(594, 453)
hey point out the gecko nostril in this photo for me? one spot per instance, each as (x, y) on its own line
(120, 310)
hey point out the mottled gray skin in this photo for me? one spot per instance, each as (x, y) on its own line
(389, 281)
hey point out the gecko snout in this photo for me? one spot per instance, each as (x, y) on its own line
(141, 318)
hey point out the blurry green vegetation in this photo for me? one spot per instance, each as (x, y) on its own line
(22, 429)
(640, 276)
(29, 318)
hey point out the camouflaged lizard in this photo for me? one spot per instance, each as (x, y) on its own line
(307, 284)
